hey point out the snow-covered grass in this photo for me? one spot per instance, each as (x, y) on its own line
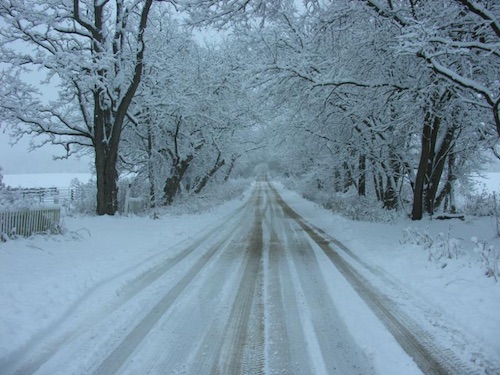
(44, 276)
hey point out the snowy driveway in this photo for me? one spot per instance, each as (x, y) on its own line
(262, 292)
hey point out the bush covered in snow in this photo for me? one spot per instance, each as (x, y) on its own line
(480, 203)
(348, 204)
(490, 257)
(83, 197)
(12, 200)
(444, 247)
(213, 195)
(8, 199)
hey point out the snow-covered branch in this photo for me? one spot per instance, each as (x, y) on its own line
(484, 13)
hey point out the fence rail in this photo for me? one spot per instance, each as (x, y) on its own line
(29, 221)
(36, 195)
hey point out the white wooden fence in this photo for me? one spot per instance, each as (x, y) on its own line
(28, 221)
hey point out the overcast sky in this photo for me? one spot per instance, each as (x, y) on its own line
(18, 159)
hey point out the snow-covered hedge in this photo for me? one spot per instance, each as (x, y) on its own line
(481, 204)
(83, 197)
(347, 204)
(213, 195)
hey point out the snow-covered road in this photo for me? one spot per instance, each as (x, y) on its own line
(260, 292)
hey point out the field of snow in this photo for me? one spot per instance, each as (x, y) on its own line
(489, 181)
(44, 180)
(43, 278)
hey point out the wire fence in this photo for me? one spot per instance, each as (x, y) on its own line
(43, 196)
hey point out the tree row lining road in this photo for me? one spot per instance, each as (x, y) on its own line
(249, 297)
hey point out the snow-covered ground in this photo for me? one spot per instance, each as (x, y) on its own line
(44, 180)
(489, 182)
(43, 278)
(457, 287)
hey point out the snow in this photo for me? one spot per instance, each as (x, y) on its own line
(489, 182)
(366, 328)
(459, 289)
(463, 81)
(45, 278)
(44, 180)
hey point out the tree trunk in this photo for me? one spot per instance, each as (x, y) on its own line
(230, 169)
(447, 195)
(106, 154)
(378, 186)
(151, 174)
(435, 174)
(388, 191)
(218, 164)
(172, 186)
(173, 183)
(432, 159)
(362, 176)
(109, 116)
(107, 176)
(390, 197)
(347, 180)
(418, 191)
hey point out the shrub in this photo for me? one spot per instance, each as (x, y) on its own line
(443, 246)
(83, 197)
(490, 258)
(480, 204)
(348, 204)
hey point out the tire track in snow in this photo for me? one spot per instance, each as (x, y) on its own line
(129, 344)
(331, 348)
(420, 345)
(192, 335)
(280, 337)
(282, 325)
(45, 345)
(241, 351)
